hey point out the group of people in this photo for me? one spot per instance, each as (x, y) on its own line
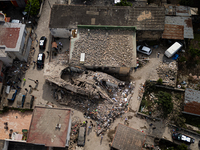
(90, 127)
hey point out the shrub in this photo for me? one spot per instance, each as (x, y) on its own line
(182, 59)
(165, 101)
(194, 52)
(159, 81)
(143, 102)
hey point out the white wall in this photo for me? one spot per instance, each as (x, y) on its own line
(60, 32)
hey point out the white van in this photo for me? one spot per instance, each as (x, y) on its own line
(173, 49)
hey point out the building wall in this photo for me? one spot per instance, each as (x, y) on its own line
(60, 32)
(7, 60)
(149, 35)
(27, 49)
(111, 70)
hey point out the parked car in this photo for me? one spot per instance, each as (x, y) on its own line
(81, 136)
(40, 60)
(182, 137)
(144, 50)
(43, 41)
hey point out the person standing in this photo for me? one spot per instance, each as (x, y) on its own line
(101, 139)
(158, 54)
(36, 82)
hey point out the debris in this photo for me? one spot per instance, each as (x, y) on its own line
(168, 73)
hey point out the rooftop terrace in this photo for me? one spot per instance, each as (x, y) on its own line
(16, 121)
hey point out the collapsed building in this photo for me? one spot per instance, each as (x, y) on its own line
(104, 97)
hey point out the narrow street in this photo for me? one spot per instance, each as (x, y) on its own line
(42, 94)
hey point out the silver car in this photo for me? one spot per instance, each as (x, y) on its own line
(144, 50)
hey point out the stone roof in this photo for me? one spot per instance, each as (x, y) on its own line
(102, 47)
(144, 18)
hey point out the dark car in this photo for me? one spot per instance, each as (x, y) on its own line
(43, 41)
(40, 60)
(182, 137)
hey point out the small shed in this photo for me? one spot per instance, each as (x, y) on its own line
(192, 102)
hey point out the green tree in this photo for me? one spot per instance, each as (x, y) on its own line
(33, 6)
(149, 87)
(165, 101)
(124, 3)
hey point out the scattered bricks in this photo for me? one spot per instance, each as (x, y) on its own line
(168, 72)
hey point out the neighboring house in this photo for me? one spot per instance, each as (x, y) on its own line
(192, 102)
(105, 48)
(50, 127)
(178, 22)
(15, 42)
(127, 138)
(149, 21)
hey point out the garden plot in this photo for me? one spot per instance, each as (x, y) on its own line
(162, 103)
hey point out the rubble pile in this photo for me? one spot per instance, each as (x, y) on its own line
(16, 72)
(113, 101)
(141, 91)
(104, 47)
(98, 95)
(168, 73)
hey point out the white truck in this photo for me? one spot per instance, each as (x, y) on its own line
(173, 49)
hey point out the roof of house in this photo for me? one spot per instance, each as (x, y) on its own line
(192, 102)
(11, 36)
(171, 10)
(183, 21)
(173, 32)
(43, 126)
(104, 47)
(15, 123)
(144, 18)
(127, 138)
